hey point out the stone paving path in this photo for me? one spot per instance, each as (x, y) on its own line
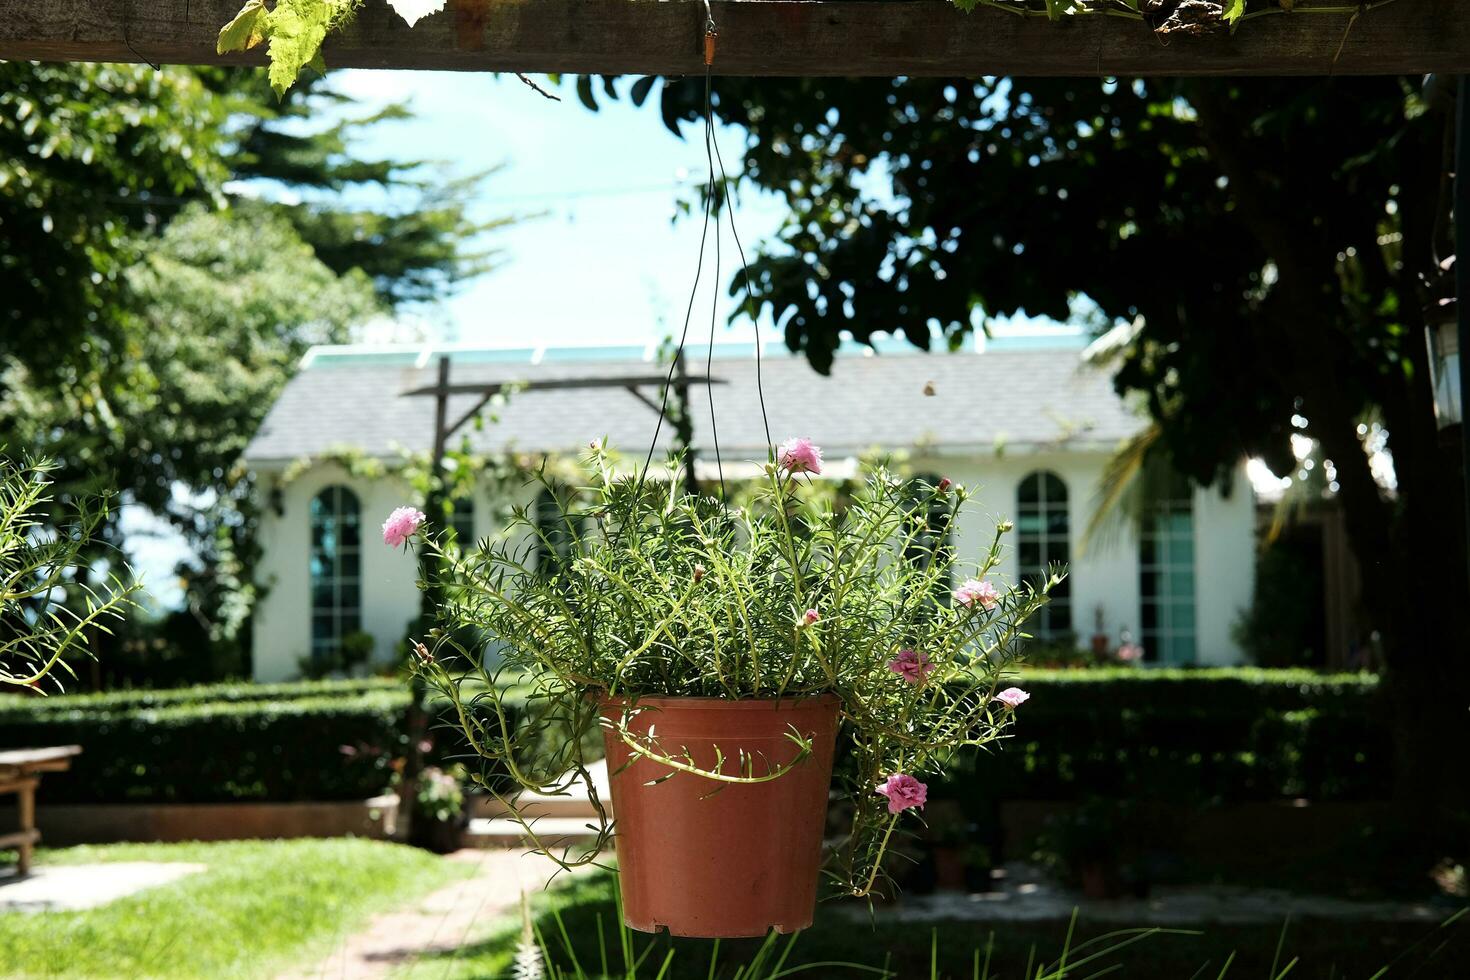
(1024, 895)
(463, 913)
(443, 920)
(71, 887)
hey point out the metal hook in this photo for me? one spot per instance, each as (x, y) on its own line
(710, 34)
(127, 21)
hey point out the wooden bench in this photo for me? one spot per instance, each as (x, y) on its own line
(20, 773)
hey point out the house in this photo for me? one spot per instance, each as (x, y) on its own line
(1028, 429)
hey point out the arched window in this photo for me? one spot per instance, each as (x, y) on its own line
(930, 535)
(558, 528)
(1166, 579)
(462, 522)
(336, 565)
(1043, 531)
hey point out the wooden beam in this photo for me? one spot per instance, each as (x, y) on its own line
(762, 37)
(554, 384)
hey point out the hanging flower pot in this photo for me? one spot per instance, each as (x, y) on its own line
(703, 858)
(715, 647)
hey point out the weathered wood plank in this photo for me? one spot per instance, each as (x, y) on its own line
(761, 37)
(31, 758)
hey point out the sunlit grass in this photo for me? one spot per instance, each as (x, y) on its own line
(260, 907)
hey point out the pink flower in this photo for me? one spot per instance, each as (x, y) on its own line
(810, 617)
(945, 484)
(799, 456)
(401, 525)
(1012, 698)
(1130, 652)
(912, 666)
(904, 791)
(973, 590)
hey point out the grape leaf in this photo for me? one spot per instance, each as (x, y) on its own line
(297, 29)
(244, 32)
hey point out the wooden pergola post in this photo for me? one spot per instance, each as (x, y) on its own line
(1462, 279)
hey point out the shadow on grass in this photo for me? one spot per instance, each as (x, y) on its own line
(578, 924)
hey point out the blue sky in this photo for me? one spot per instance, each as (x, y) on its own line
(606, 263)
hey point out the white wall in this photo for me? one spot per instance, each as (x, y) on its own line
(390, 595)
(1224, 566)
(1105, 575)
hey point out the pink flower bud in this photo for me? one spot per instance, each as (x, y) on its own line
(1012, 698)
(904, 791)
(799, 456)
(912, 666)
(401, 525)
(973, 591)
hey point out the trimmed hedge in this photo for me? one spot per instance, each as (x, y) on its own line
(1195, 736)
(229, 692)
(280, 746)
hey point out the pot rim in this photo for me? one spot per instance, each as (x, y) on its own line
(730, 704)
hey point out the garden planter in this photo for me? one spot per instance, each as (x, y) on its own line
(1099, 880)
(438, 836)
(721, 860)
(949, 869)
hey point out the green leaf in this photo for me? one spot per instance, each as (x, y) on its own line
(1234, 10)
(297, 29)
(584, 92)
(641, 88)
(1054, 9)
(244, 32)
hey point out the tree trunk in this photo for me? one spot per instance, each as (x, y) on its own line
(1410, 547)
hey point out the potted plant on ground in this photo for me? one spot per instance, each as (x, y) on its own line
(438, 813)
(1085, 845)
(720, 649)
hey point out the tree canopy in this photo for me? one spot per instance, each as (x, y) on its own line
(1274, 243)
(171, 242)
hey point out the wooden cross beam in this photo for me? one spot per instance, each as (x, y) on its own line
(443, 429)
(765, 37)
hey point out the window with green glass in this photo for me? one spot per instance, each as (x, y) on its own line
(557, 531)
(462, 522)
(336, 569)
(929, 531)
(1166, 582)
(1043, 539)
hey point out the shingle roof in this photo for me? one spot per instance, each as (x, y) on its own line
(1024, 399)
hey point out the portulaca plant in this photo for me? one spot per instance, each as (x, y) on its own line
(643, 590)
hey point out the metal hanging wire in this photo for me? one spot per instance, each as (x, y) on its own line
(716, 197)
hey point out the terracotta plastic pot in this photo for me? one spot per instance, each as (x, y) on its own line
(721, 860)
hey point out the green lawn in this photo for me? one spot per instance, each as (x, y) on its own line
(1324, 948)
(260, 907)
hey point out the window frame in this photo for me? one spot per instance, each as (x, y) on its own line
(344, 511)
(1052, 547)
(1159, 563)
